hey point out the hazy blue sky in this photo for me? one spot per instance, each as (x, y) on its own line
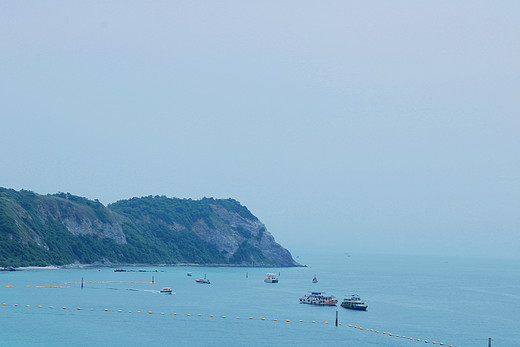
(374, 126)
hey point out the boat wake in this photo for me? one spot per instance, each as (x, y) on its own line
(138, 290)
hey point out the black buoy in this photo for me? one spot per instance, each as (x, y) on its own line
(336, 318)
(247, 275)
(489, 342)
(153, 280)
(81, 282)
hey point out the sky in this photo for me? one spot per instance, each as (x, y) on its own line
(358, 126)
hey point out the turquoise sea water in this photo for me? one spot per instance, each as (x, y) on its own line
(459, 302)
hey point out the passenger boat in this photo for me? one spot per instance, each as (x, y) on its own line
(314, 280)
(270, 278)
(166, 290)
(203, 280)
(354, 303)
(319, 298)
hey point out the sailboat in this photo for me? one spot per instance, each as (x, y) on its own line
(314, 280)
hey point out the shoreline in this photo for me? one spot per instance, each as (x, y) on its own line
(79, 266)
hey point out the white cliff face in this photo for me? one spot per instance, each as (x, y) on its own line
(233, 229)
(82, 221)
(223, 239)
(96, 227)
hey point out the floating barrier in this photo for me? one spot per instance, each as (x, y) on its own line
(263, 319)
(52, 286)
(105, 282)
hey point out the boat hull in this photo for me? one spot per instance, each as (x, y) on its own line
(331, 303)
(357, 308)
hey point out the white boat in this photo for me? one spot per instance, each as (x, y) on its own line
(354, 303)
(166, 290)
(319, 298)
(189, 274)
(270, 278)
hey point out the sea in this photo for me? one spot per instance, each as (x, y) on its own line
(412, 301)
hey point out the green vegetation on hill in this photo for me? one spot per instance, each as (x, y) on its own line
(59, 229)
(165, 210)
(23, 227)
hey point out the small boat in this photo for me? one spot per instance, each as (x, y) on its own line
(319, 298)
(354, 303)
(270, 278)
(166, 290)
(8, 268)
(203, 280)
(314, 280)
(189, 274)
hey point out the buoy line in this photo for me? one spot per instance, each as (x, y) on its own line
(86, 282)
(135, 282)
(237, 318)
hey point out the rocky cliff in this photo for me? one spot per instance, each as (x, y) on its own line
(63, 229)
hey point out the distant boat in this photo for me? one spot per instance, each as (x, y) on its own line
(166, 290)
(270, 278)
(203, 280)
(314, 280)
(8, 268)
(319, 298)
(354, 303)
(189, 274)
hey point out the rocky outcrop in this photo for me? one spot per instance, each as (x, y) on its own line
(82, 220)
(95, 227)
(241, 229)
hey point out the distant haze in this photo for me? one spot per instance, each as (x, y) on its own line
(367, 126)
